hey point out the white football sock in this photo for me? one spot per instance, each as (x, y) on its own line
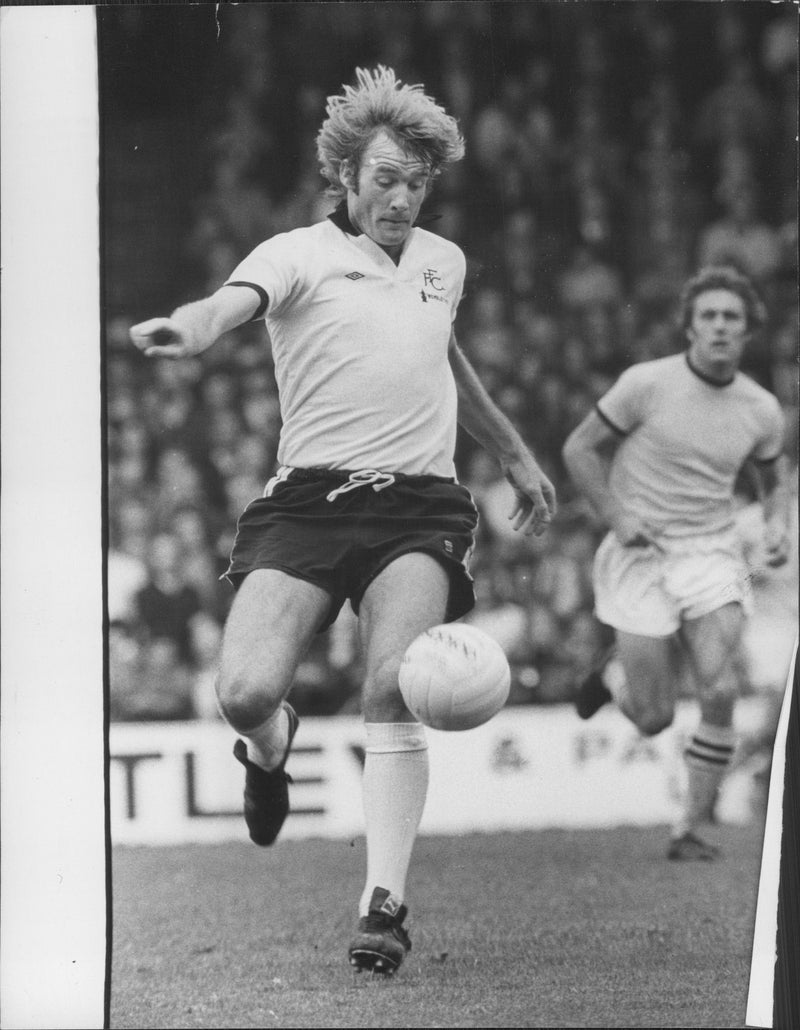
(395, 786)
(266, 744)
(707, 757)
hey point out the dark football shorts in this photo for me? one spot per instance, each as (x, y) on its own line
(321, 526)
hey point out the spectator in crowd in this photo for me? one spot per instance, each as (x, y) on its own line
(589, 280)
(736, 109)
(740, 237)
(167, 603)
(498, 612)
(195, 529)
(489, 338)
(206, 637)
(148, 680)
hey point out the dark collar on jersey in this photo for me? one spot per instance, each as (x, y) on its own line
(707, 379)
(341, 219)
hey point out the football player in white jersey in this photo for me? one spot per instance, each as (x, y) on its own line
(658, 459)
(365, 505)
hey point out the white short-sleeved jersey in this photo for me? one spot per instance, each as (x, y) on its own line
(684, 441)
(360, 347)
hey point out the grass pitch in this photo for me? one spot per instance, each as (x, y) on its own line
(538, 929)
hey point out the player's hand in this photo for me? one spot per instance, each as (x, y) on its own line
(776, 544)
(162, 338)
(535, 496)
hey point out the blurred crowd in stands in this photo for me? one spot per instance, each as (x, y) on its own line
(595, 181)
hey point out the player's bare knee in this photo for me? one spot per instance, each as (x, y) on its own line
(652, 726)
(654, 720)
(382, 699)
(246, 699)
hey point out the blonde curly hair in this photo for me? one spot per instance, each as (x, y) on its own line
(381, 101)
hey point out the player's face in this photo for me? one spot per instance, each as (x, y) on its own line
(718, 329)
(391, 188)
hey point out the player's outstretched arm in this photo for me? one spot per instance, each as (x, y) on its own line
(194, 327)
(535, 496)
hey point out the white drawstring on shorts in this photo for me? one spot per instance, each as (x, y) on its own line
(364, 477)
(280, 476)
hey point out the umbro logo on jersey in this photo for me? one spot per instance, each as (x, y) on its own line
(354, 276)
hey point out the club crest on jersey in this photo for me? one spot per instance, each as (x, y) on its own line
(354, 276)
(431, 280)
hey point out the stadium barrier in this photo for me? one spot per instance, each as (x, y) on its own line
(528, 768)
